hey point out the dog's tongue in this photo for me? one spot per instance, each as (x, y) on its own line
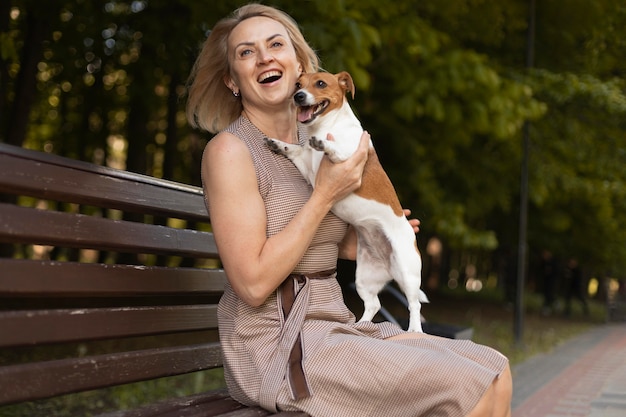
(305, 114)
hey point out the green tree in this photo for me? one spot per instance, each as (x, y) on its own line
(442, 86)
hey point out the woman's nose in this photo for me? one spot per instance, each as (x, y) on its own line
(265, 56)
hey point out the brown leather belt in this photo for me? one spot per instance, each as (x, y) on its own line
(295, 374)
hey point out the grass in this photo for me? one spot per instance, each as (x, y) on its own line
(493, 321)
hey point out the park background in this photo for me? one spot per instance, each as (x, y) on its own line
(459, 96)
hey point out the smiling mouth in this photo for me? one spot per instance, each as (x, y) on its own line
(306, 114)
(270, 77)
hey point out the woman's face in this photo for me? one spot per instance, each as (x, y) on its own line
(263, 62)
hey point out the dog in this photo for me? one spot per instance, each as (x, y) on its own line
(387, 247)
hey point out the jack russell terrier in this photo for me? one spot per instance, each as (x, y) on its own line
(387, 247)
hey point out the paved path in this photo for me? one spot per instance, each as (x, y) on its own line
(584, 377)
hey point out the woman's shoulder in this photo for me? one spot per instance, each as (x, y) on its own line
(226, 147)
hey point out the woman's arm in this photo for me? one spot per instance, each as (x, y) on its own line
(256, 265)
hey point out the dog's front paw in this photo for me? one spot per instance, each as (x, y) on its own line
(326, 146)
(317, 144)
(276, 145)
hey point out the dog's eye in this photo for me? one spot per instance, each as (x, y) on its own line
(298, 86)
(320, 84)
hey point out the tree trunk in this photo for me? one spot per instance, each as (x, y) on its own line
(26, 86)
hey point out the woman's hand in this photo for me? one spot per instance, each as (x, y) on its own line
(415, 223)
(335, 181)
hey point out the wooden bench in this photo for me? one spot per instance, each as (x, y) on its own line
(109, 278)
(106, 278)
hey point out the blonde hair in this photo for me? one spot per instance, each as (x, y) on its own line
(210, 103)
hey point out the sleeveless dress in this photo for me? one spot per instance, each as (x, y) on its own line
(348, 368)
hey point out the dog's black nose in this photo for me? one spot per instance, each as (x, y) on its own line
(299, 97)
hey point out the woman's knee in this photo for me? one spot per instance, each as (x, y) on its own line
(496, 401)
(504, 383)
(484, 407)
(503, 387)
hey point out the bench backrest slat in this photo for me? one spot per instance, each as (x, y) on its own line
(33, 381)
(42, 227)
(63, 325)
(21, 277)
(50, 177)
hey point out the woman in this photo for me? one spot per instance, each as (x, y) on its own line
(289, 341)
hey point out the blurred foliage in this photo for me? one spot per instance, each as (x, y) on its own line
(442, 86)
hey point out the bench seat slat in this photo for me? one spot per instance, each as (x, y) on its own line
(28, 225)
(29, 327)
(217, 403)
(32, 381)
(99, 186)
(62, 279)
(214, 403)
(256, 412)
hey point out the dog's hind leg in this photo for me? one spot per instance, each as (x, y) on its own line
(410, 286)
(371, 302)
(369, 282)
(415, 316)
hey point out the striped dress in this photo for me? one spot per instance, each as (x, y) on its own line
(346, 369)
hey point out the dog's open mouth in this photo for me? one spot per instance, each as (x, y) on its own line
(306, 114)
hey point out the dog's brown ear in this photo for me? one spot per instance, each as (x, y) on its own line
(345, 81)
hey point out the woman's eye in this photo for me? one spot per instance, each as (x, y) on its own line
(244, 52)
(277, 44)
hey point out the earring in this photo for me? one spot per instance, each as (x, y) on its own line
(235, 93)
